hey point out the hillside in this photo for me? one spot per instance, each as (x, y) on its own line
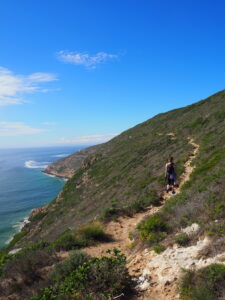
(123, 179)
(130, 167)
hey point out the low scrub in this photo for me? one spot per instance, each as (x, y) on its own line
(159, 248)
(205, 284)
(84, 236)
(65, 267)
(17, 237)
(135, 206)
(153, 229)
(92, 232)
(27, 265)
(182, 239)
(97, 278)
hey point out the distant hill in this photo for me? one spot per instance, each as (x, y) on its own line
(130, 169)
(66, 167)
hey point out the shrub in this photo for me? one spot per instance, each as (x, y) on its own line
(159, 248)
(204, 284)
(153, 230)
(68, 241)
(182, 239)
(65, 267)
(98, 278)
(85, 236)
(92, 232)
(28, 264)
(110, 214)
(216, 229)
(38, 216)
(4, 258)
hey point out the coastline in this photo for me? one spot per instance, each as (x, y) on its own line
(52, 173)
(20, 225)
(56, 175)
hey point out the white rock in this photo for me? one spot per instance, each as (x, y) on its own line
(14, 251)
(191, 230)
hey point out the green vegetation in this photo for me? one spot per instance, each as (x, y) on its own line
(67, 266)
(153, 230)
(93, 278)
(159, 248)
(126, 175)
(135, 206)
(68, 241)
(4, 258)
(84, 236)
(16, 238)
(182, 239)
(205, 284)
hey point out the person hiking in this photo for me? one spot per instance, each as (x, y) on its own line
(170, 175)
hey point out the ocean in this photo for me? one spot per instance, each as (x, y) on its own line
(23, 185)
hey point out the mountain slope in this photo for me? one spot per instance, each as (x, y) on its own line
(122, 182)
(129, 169)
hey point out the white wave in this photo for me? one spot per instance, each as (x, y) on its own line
(21, 224)
(50, 175)
(54, 176)
(9, 240)
(60, 155)
(32, 164)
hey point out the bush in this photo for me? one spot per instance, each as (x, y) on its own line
(182, 239)
(216, 229)
(4, 258)
(98, 278)
(85, 236)
(68, 241)
(92, 232)
(38, 216)
(153, 230)
(65, 267)
(204, 284)
(27, 265)
(159, 248)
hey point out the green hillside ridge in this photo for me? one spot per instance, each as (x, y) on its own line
(129, 173)
(122, 177)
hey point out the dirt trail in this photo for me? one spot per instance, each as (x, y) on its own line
(119, 231)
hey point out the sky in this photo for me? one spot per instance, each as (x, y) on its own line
(76, 72)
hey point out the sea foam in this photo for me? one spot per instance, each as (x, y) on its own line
(32, 164)
(60, 155)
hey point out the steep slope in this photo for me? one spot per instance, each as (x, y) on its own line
(122, 182)
(128, 172)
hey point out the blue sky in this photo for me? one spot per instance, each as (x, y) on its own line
(82, 71)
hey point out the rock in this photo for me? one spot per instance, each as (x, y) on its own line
(191, 230)
(14, 251)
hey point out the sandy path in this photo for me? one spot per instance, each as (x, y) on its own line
(119, 231)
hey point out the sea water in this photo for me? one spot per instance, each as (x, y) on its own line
(23, 185)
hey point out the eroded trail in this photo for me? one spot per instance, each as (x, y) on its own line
(119, 231)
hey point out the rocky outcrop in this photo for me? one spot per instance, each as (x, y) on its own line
(67, 167)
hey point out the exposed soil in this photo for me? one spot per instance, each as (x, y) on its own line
(137, 260)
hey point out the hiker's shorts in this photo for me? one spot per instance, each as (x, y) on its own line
(171, 179)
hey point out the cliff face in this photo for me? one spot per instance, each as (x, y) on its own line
(67, 167)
